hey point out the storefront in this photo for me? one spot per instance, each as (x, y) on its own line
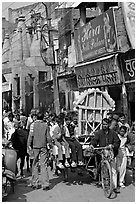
(98, 44)
(104, 74)
(128, 59)
(128, 67)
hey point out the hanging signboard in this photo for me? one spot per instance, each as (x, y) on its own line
(96, 38)
(129, 18)
(100, 73)
(128, 66)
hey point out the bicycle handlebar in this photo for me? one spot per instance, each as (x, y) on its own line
(99, 148)
(102, 148)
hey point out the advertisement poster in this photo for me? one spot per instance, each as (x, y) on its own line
(129, 17)
(96, 38)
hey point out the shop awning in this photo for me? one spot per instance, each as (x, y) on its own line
(94, 61)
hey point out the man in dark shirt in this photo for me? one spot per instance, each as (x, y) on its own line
(40, 136)
(19, 143)
(108, 138)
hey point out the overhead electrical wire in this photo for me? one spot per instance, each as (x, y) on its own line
(35, 11)
(41, 13)
(29, 19)
(8, 6)
(27, 14)
(25, 21)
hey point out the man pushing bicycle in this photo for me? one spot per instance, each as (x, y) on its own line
(109, 139)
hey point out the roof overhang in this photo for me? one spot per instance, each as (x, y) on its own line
(78, 5)
(94, 61)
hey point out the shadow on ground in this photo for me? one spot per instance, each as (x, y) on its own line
(78, 176)
(20, 189)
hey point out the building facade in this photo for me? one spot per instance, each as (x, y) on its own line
(93, 48)
(24, 71)
(101, 45)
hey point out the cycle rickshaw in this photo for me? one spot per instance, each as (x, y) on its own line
(93, 105)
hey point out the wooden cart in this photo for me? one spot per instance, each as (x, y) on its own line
(93, 105)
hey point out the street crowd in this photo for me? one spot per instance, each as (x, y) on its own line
(36, 136)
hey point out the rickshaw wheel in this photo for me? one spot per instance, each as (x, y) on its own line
(106, 177)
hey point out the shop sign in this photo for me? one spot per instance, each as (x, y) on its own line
(101, 73)
(129, 67)
(96, 38)
(129, 18)
(6, 87)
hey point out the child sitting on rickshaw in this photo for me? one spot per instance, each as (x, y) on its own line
(59, 141)
(75, 146)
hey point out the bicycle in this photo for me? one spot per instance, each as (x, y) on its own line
(104, 165)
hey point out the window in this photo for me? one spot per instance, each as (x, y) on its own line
(42, 76)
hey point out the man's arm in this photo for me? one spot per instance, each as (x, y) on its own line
(48, 136)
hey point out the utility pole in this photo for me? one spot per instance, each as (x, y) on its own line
(53, 64)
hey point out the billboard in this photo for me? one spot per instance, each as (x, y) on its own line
(96, 38)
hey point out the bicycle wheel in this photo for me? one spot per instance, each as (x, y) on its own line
(106, 177)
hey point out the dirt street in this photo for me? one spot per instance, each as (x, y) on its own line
(77, 189)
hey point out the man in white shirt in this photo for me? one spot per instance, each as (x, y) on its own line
(9, 125)
(122, 156)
